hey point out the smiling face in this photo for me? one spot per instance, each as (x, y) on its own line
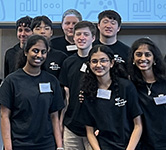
(23, 32)
(68, 25)
(100, 64)
(36, 55)
(83, 38)
(108, 27)
(143, 58)
(43, 30)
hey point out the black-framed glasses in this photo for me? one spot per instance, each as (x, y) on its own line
(102, 61)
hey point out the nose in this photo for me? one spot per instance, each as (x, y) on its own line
(42, 30)
(39, 54)
(143, 57)
(82, 36)
(71, 25)
(98, 63)
(23, 32)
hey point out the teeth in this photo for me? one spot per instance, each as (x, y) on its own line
(37, 60)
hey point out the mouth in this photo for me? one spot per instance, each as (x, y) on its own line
(144, 63)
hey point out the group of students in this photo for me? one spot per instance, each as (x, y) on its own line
(113, 96)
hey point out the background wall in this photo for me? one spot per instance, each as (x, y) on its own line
(127, 34)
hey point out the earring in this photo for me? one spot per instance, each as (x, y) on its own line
(133, 63)
(154, 63)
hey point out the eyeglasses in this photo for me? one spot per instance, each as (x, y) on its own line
(102, 61)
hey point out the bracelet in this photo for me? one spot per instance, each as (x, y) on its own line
(60, 148)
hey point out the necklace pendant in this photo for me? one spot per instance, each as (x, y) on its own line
(149, 92)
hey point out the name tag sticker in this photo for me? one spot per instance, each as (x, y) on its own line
(45, 87)
(71, 47)
(160, 100)
(105, 94)
(83, 68)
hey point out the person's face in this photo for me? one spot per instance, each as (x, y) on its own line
(43, 30)
(68, 25)
(23, 33)
(83, 38)
(36, 54)
(143, 58)
(108, 27)
(100, 65)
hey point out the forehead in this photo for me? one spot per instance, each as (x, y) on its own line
(99, 55)
(39, 44)
(109, 19)
(85, 29)
(71, 17)
(143, 47)
(23, 27)
(42, 23)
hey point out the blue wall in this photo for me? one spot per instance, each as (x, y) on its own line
(130, 10)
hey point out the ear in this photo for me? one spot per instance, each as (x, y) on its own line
(94, 37)
(98, 26)
(119, 28)
(51, 32)
(112, 63)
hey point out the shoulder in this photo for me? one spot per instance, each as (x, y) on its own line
(125, 83)
(71, 58)
(96, 42)
(15, 76)
(57, 53)
(122, 44)
(13, 49)
(57, 39)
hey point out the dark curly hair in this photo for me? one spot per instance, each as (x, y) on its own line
(159, 69)
(89, 82)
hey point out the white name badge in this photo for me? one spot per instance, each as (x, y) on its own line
(105, 94)
(160, 100)
(45, 87)
(71, 47)
(83, 68)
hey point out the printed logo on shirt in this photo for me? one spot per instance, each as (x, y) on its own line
(120, 102)
(54, 66)
(118, 59)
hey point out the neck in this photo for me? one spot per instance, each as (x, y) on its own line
(69, 39)
(22, 45)
(32, 71)
(84, 52)
(149, 77)
(104, 83)
(107, 41)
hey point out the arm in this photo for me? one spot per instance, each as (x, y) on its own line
(66, 105)
(92, 138)
(56, 128)
(136, 134)
(6, 128)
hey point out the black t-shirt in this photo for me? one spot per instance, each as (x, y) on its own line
(10, 59)
(60, 43)
(113, 117)
(54, 62)
(119, 49)
(154, 120)
(31, 100)
(70, 76)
